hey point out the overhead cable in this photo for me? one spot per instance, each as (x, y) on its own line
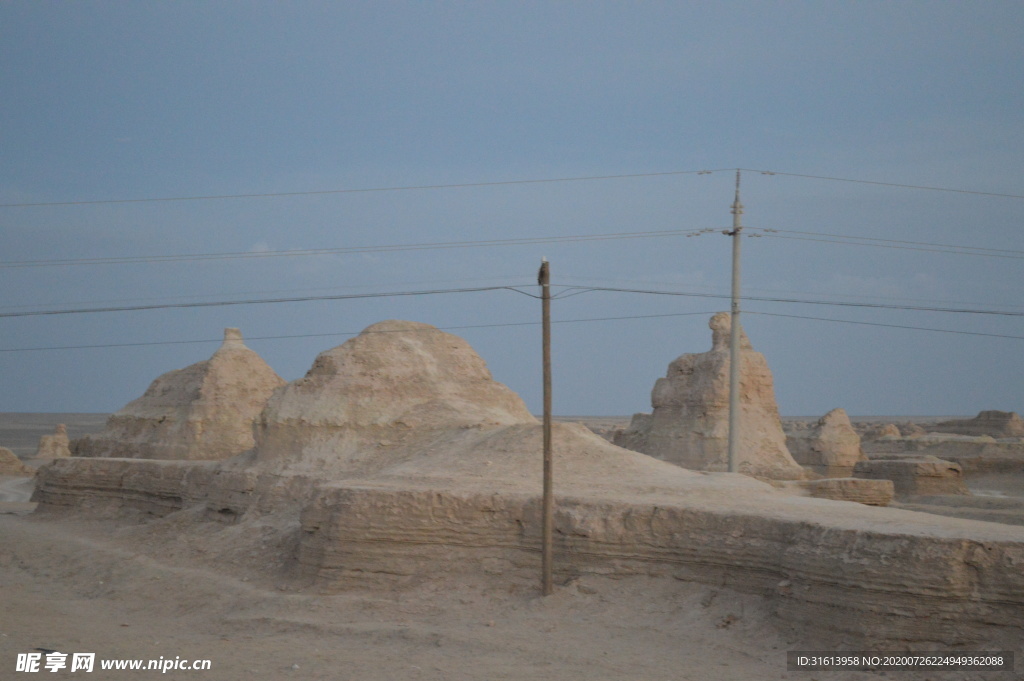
(885, 184)
(221, 303)
(584, 178)
(917, 308)
(507, 324)
(527, 241)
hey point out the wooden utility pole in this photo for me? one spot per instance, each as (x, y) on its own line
(735, 333)
(544, 279)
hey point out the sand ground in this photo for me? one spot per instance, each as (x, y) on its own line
(126, 590)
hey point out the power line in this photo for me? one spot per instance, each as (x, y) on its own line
(884, 184)
(360, 191)
(221, 303)
(527, 241)
(351, 333)
(506, 324)
(865, 241)
(898, 241)
(891, 326)
(586, 281)
(917, 308)
(569, 290)
(584, 178)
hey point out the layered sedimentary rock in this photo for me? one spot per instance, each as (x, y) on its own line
(831, 447)
(54, 446)
(690, 422)
(204, 411)
(383, 485)
(860, 490)
(10, 464)
(976, 454)
(915, 475)
(997, 424)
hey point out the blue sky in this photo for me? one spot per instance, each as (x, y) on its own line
(112, 100)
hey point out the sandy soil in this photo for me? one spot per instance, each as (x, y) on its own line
(93, 587)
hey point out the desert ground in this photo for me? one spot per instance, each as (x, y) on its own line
(131, 591)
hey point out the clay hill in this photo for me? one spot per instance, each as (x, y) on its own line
(398, 459)
(204, 411)
(690, 422)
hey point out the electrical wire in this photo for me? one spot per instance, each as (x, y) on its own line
(221, 303)
(511, 324)
(883, 184)
(891, 326)
(584, 282)
(586, 178)
(353, 333)
(529, 241)
(917, 308)
(565, 293)
(849, 241)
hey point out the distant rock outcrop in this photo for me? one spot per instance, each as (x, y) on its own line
(690, 422)
(885, 430)
(10, 464)
(204, 411)
(998, 424)
(54, 446)
(920, 475)
(831, 447)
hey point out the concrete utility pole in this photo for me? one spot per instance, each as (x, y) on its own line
(736, 331)
(544, 279)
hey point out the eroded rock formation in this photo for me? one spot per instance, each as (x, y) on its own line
(885, 430)
(54, 446)
(831, 447)
(10, 464)
(860, 490)
(395, 380)
(384, 485)
(915, 475)
(204, 411)
(997, 424)
(690, 422)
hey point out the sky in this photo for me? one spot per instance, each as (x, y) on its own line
(458, 109)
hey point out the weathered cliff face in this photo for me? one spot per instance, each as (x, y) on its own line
(204, 411)
(396, 380)
(690, 422)
(54, 446)
(831, 447)
(998, 424)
